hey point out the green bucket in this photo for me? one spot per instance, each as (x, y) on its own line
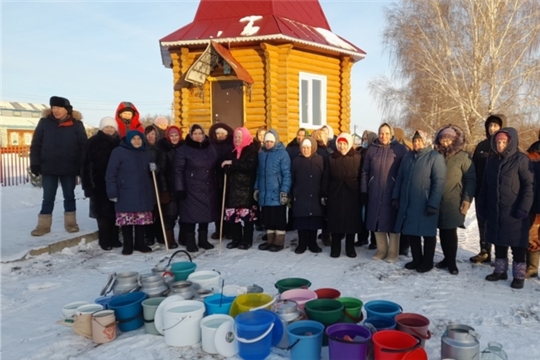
(325, 311)
(353, 309)
(182, 269)
(292, 283)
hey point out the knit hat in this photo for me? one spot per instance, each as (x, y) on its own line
(131, 134)
(108, 121)
(61, 102)
(306, 142)
(173, 130)
(447, 133)
(502, 135)
(269, 137)
(161, 121)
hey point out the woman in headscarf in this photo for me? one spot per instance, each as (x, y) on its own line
(323, 149)
(240, 166)
(196, 188)
(341, 190)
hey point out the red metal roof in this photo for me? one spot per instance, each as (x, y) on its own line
(233, 21)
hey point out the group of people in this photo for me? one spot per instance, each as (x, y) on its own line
(398, 191)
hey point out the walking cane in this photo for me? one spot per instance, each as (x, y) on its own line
(222, 213)
(160, 213)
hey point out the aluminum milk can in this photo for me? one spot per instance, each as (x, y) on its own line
(460, 342)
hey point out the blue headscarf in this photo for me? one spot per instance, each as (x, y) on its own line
(133, 133)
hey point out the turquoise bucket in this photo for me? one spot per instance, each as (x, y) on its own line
(305, 337)
(382, 308)
(182, 269)
(218, 304)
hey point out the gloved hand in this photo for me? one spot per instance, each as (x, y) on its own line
(323, 201)
(164, 198)
(431, 210)
(521, 214)
(363, 198)
(114, 199)
(395, 204)
(88, 192)
(35, 169)
(283, 198)
(152, 166)
(256, 195)
(181, 195)
(464, 208)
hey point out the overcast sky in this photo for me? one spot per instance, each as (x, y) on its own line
(99, 53)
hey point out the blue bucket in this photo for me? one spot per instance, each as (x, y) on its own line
(382, 308)
(381, 323)
(253, 331)
(305, 337)
(182, 269)
(104, 301)
(213, 302)
(128, 310)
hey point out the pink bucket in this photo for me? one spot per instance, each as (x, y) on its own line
(300, 296)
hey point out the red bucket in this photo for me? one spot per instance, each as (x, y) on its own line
(414, 324)
(395, 345)
(327, 293)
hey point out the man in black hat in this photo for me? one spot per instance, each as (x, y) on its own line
(55, 154)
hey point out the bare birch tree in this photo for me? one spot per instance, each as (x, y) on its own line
(459, 60)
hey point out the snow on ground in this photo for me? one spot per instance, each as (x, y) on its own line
(34, 291)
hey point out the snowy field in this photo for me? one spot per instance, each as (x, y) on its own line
(34, 290)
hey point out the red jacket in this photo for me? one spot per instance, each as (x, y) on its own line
(135, 124)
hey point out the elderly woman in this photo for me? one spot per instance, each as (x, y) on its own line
(379, 171)
(307, 171)
(240, 165)
(417, 196)
(341, 193)
(272, 190)
(458, 192)
(196, 189)
(154, 231)
(506, 199)
(96, 156)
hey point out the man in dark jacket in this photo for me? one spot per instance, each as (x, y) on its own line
(56, 155)
(483, 150)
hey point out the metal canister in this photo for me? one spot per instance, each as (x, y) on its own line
(288, 312)
(460, 342)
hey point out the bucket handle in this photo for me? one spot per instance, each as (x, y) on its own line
(247, 341)
(267, 304)
(176, 252)
(412, 348)
(424, 337)
(348, 342)
(355, 319)
(289, 348)
(184, 318)
(108, 285)
(105, 326)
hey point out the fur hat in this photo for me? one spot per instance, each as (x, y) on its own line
(61, 102)
(108, 121)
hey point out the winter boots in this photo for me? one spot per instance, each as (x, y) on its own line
(312, 242)
(393, 248)
(404, 246)
(279, 241)
(533, 258)
(70, 222)
(349, 246)
(191, 246)
(382, 246)
(302, 242)
(127, 234)
(429, 252)
(325, 238)
(518, 271)
(449, 245)
(236, 236)
(139, 240)
(483, 257)
(247, 237)
(203, 240)
(169, 235)
(107, 234)
(270, 237)
(43, 226)
(500, 272)
(335, 247)
(416, 251)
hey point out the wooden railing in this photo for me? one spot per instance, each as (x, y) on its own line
(14, 164)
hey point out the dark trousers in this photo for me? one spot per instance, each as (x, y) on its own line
(482, 232)
(190, 228)
(449, 245)
(107, 232)
(50, 185)
(518, 253)
(275, 217)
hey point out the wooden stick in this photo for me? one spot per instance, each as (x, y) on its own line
(222, 213)
(160, 213)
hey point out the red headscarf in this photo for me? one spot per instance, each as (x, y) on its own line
(247, 139)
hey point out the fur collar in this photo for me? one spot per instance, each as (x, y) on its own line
(197, 145)
(75, 115)
(457, 144)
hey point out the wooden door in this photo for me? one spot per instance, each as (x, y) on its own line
(228, 103)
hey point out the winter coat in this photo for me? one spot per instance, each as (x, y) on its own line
(293, 149)
(96, 156)
(57, 146)
(195, 173)
(534, 155)
(419, 184)
(134, 123)
(307, 175)
(241, 176)
(223, 148)
(460, 182)
(128, 179)
(379, 172)
(166, 153)
(341, 185)
(323, 150)
(507, 188)
(273, 173)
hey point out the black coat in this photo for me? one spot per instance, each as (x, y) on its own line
(96, 156)
(56, 146)
(241, 176)
(341, 185)
(293, 149)
(307, 175)
(507, 188)
(534, 155)
(223, 148)
(166, 153)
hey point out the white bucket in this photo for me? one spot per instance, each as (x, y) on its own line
(103, 326)
(181, 321)
(209, 327)
(206, 279)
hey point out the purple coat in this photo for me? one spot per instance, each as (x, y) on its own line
(379, 173)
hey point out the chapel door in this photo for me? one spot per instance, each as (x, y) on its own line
(228, 103)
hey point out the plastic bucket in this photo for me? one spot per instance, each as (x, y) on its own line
(182, 269)
(325, 311)
(207, 279)
(418, 354)
(253, 331)
(149, 310)
(104, 301)
(382, 308)
(381, 323)
(128, 310)
(327, 293)
(353, 309)
(414, 324)
(217, 304)
(339, 348)
(300, 296)
(305, 337)
(182, 322)
(209, 326)
(394, 345)
(245, 302)
(292, 283)
(103, 326)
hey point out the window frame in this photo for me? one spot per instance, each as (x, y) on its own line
(310, 77)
